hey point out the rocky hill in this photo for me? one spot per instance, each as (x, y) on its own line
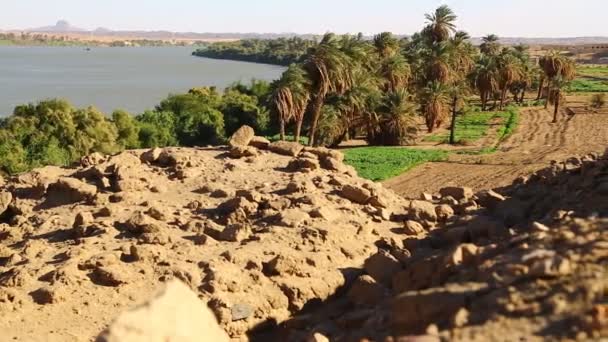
(287, 243)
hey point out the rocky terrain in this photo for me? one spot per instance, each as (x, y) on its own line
(285, 243)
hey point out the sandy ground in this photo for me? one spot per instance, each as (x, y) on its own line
(535, 143)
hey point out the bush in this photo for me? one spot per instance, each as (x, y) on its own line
(53, 132)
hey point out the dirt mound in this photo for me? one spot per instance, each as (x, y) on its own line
(258, 235)
(528, 263)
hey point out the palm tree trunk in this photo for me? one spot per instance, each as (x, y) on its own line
(453, 124)
(540, 88)
(484, 100)
(316, 114)
(556, 100)
(503, 96)
(282, 128)
(299, 128)
(523, 95)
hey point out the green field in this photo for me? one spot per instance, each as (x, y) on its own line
(379, 163)
(596, 71)
(475, 125)
(585, 85)
(288, 137)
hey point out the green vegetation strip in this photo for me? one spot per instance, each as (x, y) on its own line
(588, 86)
(379, 163)
(474, 125)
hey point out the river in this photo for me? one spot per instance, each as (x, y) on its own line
(134, 79)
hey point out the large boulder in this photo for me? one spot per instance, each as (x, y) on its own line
(422, 211)
(242, 137)
(287, 148)
(70, 190)
(174, 314)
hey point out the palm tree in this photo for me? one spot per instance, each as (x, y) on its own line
(567, 73)
(462, 60)
(397, 119)
(485, 79)
(396, 72)
(290, 98)
(554, 65)
(327, 67)
(386, 44)
(440, 25)
(490, 45)
(509, 68)
(434, 104)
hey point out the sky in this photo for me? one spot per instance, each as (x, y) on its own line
(507, 18)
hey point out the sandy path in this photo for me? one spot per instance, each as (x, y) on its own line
(535, 143)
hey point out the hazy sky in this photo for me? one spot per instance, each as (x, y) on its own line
(523, 18)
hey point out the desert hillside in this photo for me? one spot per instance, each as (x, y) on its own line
(285, 243)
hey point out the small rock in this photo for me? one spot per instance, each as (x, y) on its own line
(382, 266)
(259, 142)
(237, 152)
(458, 193)
(355, 194)
(70, 190)
(444, 212)
(292, 217)
(489, 199)
(422, 211)
(413, 228)
(152, 155)
(241, 311)
(366, 291)
(287, 148)
(303, 165)
(235, 232)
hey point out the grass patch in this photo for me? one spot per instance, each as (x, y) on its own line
(593, 71)
(378, 163)
(277, 137)
(588, 86)
(474, 125)
(510, 124)
(485, 150)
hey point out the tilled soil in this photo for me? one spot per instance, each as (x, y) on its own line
(533, 145)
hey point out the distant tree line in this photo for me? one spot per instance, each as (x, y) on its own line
(53, 132)
(281, 51)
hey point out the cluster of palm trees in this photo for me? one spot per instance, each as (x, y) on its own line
(557, 71)
(349, 85)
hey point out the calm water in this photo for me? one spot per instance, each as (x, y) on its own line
(134, 79)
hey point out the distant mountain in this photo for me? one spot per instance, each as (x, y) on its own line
(62, 26)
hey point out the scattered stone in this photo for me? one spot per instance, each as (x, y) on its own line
(422, 211)
(242, 152)
(355, 194)
(235, 232)
(70, 190)
(489, 199)
(444, 212)
(382, 266)
(259, 142)
(241, 311)
(458, 193)
(287, 148)
(413, 228)
(242, 137)
(303, 165)
(366, 291)
(151, 156)
(292, 217)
